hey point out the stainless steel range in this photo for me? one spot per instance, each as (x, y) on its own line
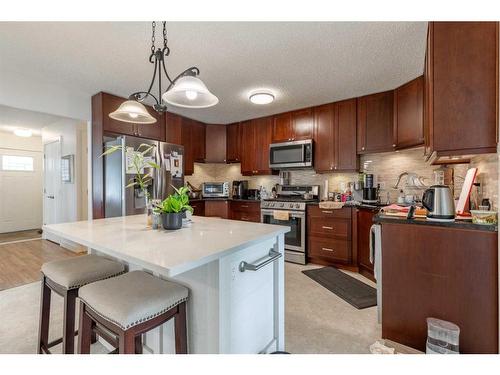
(289, 208)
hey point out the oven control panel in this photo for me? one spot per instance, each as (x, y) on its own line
(277, 205)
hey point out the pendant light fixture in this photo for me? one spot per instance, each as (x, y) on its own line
(185, 90)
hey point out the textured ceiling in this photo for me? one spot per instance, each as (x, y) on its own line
(305, 63)
(11, 118)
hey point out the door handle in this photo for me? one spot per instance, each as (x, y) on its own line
(273, 255)
(50, 197)
(327, 249)
(325, 227)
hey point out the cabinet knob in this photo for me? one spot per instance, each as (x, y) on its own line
(393, 145)
(362, 148)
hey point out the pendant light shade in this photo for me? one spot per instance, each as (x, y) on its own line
(134, 112)
(190, 92)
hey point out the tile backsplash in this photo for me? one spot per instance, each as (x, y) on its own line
(386, 168)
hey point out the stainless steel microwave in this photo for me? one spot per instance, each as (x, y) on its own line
(295, 154)
(215, 190)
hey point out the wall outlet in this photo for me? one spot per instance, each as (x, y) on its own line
(382, 185)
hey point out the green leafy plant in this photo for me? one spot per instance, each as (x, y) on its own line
(177, 202)
(140, 160)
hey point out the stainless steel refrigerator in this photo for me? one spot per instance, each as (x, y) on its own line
(121, 201)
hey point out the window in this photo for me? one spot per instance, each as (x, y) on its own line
(17, 163)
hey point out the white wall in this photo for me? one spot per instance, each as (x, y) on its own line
(72, 203)
(21, 192)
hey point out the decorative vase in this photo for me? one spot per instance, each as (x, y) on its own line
(149, 213)
(172, 220)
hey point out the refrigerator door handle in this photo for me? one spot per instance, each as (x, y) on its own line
(372, 243)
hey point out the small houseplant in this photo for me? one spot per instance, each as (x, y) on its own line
(173, 207)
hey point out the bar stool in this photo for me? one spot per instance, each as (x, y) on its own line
(65, 277)
(130, 305)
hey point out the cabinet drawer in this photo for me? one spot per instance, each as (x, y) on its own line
(330, 227)
(246, 216)
(323, 212)
(245, 206)
(337, 250)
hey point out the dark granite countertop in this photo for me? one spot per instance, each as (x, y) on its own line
(457, 224)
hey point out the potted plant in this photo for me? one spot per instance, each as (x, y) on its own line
(173, 208)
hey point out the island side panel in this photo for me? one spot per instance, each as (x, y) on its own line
(202, 311)
(252, 302)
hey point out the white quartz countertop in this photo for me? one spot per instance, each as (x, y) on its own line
(167, 252)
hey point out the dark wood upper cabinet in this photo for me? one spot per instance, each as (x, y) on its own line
(409, 114)
(302, 124)
(255, 139)
(187, 142)
(462, 87)
(173, 128)
(324, 138)
(215, 144)
(335, 137)
(263, 130)
(282, 127)
(293, 126)
(248, 152)
(346, 158)
(233, 143)
(199, 139)
(375, 123)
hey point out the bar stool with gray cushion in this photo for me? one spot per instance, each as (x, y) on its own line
(65, 277)
(130, 305)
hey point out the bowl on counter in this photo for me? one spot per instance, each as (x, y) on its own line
(484, 217)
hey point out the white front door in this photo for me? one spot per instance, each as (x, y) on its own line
(52, 180)
(20, 190)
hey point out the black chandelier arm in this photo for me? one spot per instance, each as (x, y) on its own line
(193, 71)
(139, 96)
(166, 73)
(154, 77)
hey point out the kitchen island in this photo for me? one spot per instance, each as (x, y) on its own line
(230, 309)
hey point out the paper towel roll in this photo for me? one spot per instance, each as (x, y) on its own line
(325, 190)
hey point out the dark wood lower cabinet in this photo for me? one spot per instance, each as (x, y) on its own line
(245, 211)
(445, 273)
(198, 207)
(217, 208)
(329, 234)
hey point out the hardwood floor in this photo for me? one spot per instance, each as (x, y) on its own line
(21, 235)
(20, 262)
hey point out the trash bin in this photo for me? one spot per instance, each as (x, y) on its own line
(442, 337)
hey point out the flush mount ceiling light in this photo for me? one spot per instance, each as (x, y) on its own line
(185, 90)
(261, 97)
(21, 132)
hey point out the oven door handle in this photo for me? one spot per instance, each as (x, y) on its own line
(273, 255)
(300, 215)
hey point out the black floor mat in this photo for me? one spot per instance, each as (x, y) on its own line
(351, 290)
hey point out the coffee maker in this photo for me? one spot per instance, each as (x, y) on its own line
(369, 192)
(240, 189)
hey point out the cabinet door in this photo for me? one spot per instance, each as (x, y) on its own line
(364, 223)
(198, 207)
(109, 104)
(217, 208)
(215, 144)
(233, 141)
(465, 86)
(408, 114)
(375, 122)
(187, 142)
(154, 131)
(173, 128)
(248, 151)
(263, 130)
(346, 158)
(282, 128)
(302, 124)
(324, 138)
(198, 133)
